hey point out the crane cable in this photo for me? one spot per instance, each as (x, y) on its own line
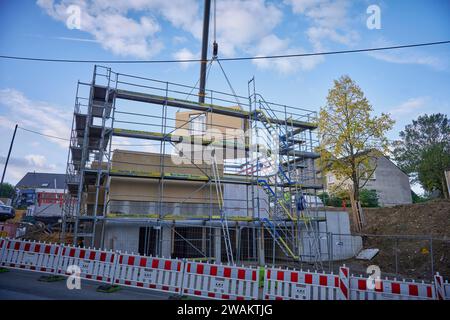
(215, 55)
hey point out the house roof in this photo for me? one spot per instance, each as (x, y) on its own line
(42, 180)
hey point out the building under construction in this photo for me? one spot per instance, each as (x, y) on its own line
(152, 170)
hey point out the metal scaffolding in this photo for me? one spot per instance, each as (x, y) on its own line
(274, 164)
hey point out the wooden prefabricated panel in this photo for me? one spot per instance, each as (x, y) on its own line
(219, 126)
(123, 160)
(148, 189)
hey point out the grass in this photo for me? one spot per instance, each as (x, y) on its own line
(51, 278)
(3, 270)
(108, 288)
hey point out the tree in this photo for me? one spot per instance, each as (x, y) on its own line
(435, 160)
(7, 190)
(350, 137)
(369, 198)
(424, 151)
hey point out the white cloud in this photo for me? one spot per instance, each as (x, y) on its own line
(34, 115)
(329, 21)
(406, 57)
(134, 27)
(36, 160)
(272, 45)
(117, 26)
(241, 24)
(185, 54)
(409, 107)
(18, 167)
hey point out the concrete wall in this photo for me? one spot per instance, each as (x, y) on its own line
(124, 237)
(335, 240)
(236, 201)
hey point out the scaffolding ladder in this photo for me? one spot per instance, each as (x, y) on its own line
(284, 188)
(223, 214)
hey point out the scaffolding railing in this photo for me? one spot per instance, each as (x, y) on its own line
(118, 105)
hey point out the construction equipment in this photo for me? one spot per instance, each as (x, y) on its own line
(284, 185)
(223, 213)
(282, 164)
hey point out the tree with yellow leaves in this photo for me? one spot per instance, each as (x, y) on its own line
(350, 137)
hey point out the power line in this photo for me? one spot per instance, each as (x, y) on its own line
(296, 55)
(43, 134)
(64, 139)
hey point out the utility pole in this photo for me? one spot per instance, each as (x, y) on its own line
(204, 58)
(7, 158)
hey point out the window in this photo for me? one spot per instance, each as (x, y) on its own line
(197, 124)
(369, 176)
(331, 179)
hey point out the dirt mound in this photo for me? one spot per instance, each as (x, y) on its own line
(430, 218)
(414, 240)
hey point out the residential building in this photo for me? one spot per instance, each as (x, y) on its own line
(44, 191)
(390, 183)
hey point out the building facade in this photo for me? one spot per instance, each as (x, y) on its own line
(390, 183)
(44, 192)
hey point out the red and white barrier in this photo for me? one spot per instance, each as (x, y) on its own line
(210, 280)
(284, 284)
(447, 290)
(30, 255)
(439, 286)
(344, 283)
(2, 248)
(149, 273)
(220, 281)
(387, 289)
(94, 264)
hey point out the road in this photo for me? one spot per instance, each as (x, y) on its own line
(24, 285)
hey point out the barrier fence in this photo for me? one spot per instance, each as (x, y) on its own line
(220, 282)
(149, 273)
(94, 264)
(207, 280)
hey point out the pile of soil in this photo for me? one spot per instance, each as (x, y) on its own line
(414, 240)
(429, 218)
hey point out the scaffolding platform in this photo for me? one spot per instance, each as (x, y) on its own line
(226, 179)
(205, 107)
(157, 136)
(91, 168)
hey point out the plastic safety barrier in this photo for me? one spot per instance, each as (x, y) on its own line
(94, 264)
(3, 243)
(285, 284)
(29, 255)
(387, 289)
(150, 273)
(220, 281)
(207, 280)
(446, 290)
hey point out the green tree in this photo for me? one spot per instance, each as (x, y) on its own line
(424, 151)
(7, 190)
(348, 132)
(369, 198)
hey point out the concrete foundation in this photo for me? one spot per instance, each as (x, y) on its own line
(335, 241)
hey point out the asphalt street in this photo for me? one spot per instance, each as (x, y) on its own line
(24, 285)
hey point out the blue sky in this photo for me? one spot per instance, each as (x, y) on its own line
(39, 96)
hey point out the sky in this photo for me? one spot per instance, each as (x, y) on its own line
(39, 96)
